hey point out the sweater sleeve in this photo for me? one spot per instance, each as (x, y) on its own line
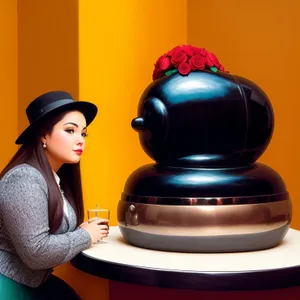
(24, 206)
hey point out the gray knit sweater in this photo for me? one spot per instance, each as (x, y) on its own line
(28, 252)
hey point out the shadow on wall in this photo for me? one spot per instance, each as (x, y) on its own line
(47, 50)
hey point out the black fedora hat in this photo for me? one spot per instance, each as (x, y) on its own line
(51, 103)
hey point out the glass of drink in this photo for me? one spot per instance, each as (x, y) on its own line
(102, 213)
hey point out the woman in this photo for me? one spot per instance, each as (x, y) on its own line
(41, 206)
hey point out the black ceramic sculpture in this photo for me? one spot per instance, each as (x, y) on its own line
(205, 129)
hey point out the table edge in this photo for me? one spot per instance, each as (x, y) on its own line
(207, 280)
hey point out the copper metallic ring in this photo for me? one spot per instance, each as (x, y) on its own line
(173, 201)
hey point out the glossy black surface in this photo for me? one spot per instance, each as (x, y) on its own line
(205, 131)
(204, 119)
(253, 180)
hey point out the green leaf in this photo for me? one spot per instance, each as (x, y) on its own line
(214, 69)
(170, 72)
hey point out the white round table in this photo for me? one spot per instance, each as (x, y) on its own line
(274, 268)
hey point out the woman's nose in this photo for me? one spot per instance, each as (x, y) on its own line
(80, 140)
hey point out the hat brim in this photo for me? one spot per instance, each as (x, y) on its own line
(89, 110)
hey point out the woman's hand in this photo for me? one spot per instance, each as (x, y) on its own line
(97, 228)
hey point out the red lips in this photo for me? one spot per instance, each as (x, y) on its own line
(78, 151)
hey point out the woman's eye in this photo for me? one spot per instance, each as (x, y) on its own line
(84, 134)
(70, 130)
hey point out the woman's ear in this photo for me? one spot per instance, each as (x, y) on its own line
(43, 139)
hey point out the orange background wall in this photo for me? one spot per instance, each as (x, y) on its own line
(8, 79)
(260, 40)
(104, 51)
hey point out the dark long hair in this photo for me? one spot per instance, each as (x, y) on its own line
(32, 153)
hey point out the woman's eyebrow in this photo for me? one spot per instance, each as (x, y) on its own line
(71, 124)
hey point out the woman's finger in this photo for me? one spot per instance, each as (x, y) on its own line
(103, 227)
(93, 219)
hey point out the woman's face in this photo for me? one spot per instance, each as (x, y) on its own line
(66, 142)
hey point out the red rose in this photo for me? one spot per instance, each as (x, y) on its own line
(178, 57)
(170, 53)
(157, 73)
(199, 51)
(197, 62)
(185, 58)
(221, 68)
(211, 60)
(163, 62)
(184, 68)
(188, 50)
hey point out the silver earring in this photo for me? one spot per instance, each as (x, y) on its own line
(44, 145)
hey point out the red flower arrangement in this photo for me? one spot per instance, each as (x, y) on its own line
(184, 59)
